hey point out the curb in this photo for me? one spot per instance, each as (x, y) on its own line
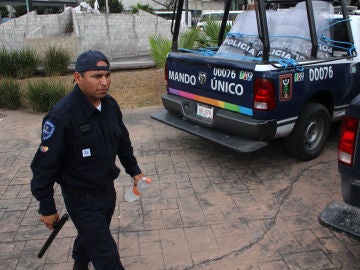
(141, 62)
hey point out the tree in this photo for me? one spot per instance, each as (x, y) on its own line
(115, 6)
(39, 10)
(20, 10)
(168, 4)
(3, 12)
(47, 10)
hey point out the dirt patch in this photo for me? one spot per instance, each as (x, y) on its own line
(138, 88)
(131, 88)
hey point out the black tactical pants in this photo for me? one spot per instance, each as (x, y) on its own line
(91, 215)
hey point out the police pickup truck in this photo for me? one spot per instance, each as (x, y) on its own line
(278, 73)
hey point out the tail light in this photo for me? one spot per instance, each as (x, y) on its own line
(347, 141)
(264, 95)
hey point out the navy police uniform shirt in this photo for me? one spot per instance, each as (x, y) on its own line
(79, 145)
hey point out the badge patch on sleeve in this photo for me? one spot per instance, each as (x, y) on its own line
(43, 148)
(48, 130)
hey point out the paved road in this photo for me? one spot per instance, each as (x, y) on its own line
(208, 207)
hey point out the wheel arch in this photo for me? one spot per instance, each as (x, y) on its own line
(311, 130)
(325, 98)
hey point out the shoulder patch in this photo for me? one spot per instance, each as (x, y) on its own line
(47, 130)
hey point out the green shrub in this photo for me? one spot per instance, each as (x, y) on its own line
(42, 94)
(18, 64)
(10, 96)
(192, 39)
(160, 47)
(211, 32)
(189, 39)
(56, 61)
(26, 62)
(6, 65)
(147, 8)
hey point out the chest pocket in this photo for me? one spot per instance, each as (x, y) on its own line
(87, 148)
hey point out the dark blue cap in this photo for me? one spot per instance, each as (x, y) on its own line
(87, 61)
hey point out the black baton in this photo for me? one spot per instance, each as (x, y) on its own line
(57, 227)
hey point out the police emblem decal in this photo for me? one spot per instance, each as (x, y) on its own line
(202, 77)
(48, 130)
(285, 87)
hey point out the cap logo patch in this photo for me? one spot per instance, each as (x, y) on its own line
(48, 130)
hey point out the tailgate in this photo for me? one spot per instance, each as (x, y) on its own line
(212, 80)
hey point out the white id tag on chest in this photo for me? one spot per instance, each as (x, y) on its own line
(86, 152)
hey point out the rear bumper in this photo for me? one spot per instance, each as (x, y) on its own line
(224, 120)
(236, 143)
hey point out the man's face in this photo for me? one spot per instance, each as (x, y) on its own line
(94, 83)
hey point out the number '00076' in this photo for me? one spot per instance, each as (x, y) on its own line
(320, 73)
(225, 73)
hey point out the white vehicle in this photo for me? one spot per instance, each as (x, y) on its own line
(216, 15)
(168, 15)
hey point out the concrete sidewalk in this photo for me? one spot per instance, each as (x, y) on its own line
(208, 207)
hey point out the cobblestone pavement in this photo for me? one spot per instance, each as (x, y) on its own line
(208, 207)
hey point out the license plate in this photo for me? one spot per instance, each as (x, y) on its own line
(205, 111)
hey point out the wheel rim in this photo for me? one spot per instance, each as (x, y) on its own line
(314, 133)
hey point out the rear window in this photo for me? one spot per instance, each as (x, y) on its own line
(340, 32)
(288, 38)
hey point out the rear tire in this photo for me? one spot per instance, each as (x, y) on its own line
(309, 135)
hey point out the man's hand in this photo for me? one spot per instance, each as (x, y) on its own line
(49, 221)
(138, 177)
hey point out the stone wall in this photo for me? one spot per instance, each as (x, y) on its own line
(70, 44)
(118, 35)
(13, 33)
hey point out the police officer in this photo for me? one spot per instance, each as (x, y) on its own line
(81, 137)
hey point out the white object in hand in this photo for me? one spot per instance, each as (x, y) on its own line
(134, 192)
